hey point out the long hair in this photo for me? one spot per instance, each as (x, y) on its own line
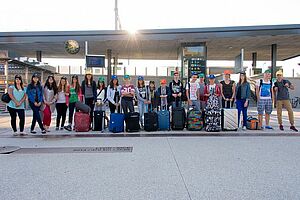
(240, 80)
(52, 86)
(20, 78)
(86, 80)
(103, 85)
(32, 82)
(139, 85)
(154, 87)
(77, 87)
(60, 85)
(111, 83)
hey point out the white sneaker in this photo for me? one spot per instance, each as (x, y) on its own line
(244, 128)
(23, 133)
(15, 133)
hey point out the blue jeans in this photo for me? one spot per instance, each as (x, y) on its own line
(36, 116)
(176, 104)
(240, 106)
(142, 109)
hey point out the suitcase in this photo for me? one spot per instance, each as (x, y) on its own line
(230, 119)
(82, 107)
(98, 121)
(132, 121)
(82, 122)
(178, 118)
(252, 123)
(213, 120)
(151, 121)
(194, 120)
(116, 124)
(164, 120)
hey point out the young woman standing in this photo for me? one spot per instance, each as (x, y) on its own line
(101, 103)
(61, 103)
(74, 91)
(35, 97)
(114, 94)
(89, 90)
(17, 93)
(49, 97)
(143, 98)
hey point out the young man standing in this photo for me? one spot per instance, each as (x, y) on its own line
(192, 92)
(265, 96)
(127, 93)
(176, 91)
(281, 87)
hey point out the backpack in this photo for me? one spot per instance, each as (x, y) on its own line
(5, 98)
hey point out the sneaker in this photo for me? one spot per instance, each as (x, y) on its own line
(47, 130)
(68, 128)
(281, 128)
(15, 133)
(61, 128)
(44, 131)
(23, 133)
(33, 132)
(244, 128)
(56, 128)
(269, 127)
(294, 128)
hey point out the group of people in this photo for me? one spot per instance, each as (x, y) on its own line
(44, 99)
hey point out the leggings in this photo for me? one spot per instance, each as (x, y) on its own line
(13, 114)
(61, 109)
(71, 112)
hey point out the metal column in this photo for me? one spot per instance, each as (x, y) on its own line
(254, 59)
(108, 55)
(39, 56)
(273, 60)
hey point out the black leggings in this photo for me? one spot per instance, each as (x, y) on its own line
(113, 108)
(13, 114)
(90, 102)
(61, 109)
(71, 112)
(127, 104)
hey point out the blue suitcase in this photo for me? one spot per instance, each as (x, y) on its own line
(116, 124)
(164, 120)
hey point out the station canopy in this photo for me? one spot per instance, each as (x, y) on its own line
(223, 43)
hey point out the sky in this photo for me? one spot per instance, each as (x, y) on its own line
(62, 15)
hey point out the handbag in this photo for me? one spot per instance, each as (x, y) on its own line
(5, 98)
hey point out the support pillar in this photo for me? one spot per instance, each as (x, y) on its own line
(254, 59)
(39, 56)
(108, 55)
(42, 77)
(26, 75)
(273, 60)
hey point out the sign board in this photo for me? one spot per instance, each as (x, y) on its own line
(95, 61)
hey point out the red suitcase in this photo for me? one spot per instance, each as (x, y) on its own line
(82, 122)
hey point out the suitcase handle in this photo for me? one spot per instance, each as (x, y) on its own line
(230, 106)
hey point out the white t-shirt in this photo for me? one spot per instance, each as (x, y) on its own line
(193, 87)
(212, 89)
(265, 91)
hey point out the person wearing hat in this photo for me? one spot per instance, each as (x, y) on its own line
(212, 88)
(227, 87)
(176, 91)
(35, 97)
(61, 103)
(143, 97)
(101, 102)
(281, 87)
(265, 99)
(242, 96)
(49, 98)
(192, 88)
(201, 95)
(17, 94)
(163, 94)
(74, 95)
(114, 94)
(89, 91)
(127, 94)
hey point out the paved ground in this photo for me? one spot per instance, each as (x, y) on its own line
(246, 166)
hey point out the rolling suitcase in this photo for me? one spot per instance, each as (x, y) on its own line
(150, 121)
(82, 122)
(213, 120)
(178, 118)
(82, 107)
(164, 119)
(116, 124)
(194, 120)
(132, 121)
(98, 121)
(229, 119)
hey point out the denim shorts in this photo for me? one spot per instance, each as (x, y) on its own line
(264, 105)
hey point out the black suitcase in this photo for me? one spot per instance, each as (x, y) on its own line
(132, 121)
(98, 121)
(151, 121)
(178, 118)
